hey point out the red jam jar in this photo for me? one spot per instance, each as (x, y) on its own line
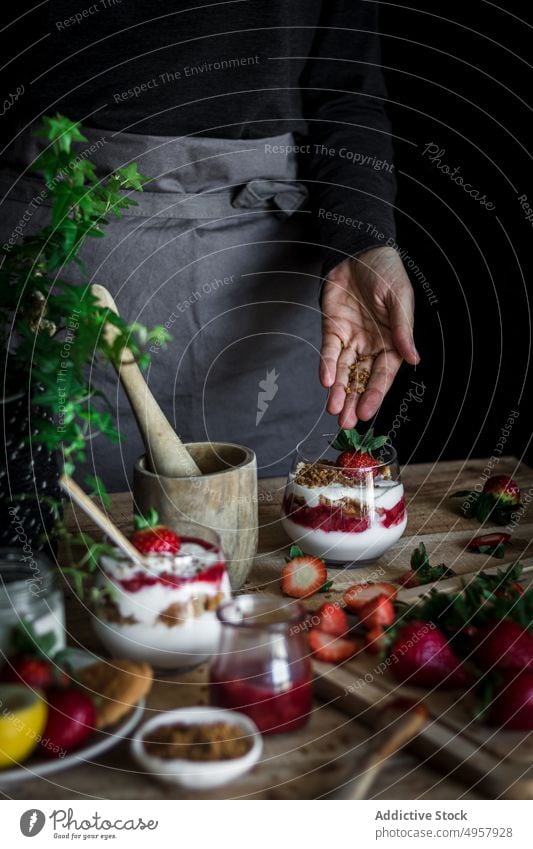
(262, 667)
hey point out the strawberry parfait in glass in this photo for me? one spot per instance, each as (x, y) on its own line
(344, 501)
(163, 611)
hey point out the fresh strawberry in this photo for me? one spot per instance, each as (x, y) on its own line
(152, 538)
(499, 498)
(504, 645)
(331, 649)
(422, 657)
(512, 705)
(503, 488)
(377, 613)
(493, 544)
(303, 576)
(333, 620)
(375, 640)
(71, 718)
(356, 596)
(356, 457)
(34, 672)
(357, 464)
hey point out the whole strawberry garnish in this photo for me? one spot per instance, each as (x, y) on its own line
(357, 452)
(499, 499)
(152, 538)
(421, 656)
(71, 718)
(512, 704)
(504, 645)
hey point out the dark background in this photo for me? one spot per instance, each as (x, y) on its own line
(456, 76)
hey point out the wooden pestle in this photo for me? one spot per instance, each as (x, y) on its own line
(91, 509)
(398, 732)
(166, 453)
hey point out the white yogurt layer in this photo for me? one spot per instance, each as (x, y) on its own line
(191, 559)
(383, 493)
(348, 546)
(179, 647)
(181, 644)
(343, 546)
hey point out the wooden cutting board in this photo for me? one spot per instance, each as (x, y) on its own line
(500, 762)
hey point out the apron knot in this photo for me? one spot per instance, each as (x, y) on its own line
(284, 196)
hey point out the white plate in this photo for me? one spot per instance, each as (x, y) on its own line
(99, 741)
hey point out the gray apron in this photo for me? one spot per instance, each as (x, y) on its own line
(219, 250)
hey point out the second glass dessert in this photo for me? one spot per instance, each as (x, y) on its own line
(345, 510)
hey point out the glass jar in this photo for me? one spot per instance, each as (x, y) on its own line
(343, 516)
(30, 592)
(164, 612)
(262, 667)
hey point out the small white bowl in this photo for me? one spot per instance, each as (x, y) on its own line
(197, 775)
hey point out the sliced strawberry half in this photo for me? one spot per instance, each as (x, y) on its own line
(493, 544)
(303, 576)
(333, 619)
(356, 596)
(377, 613)
(331, 649)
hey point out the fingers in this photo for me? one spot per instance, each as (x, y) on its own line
(337, 394)
(331, 348)
(401, 323)
(383, 372)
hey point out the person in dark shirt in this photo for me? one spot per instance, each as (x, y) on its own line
(265, 241)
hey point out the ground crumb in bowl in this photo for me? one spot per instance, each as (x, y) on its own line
(216, 741)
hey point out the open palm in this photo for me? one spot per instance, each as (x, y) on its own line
(367, 309)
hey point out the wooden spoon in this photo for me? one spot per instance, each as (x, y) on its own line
(166, 453)
(103, 521)
(400, 730)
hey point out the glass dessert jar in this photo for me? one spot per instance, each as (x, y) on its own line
(164, 613)
(344, 516)
(262, 667)
(29, 592)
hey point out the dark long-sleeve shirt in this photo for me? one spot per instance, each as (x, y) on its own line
(237, 69)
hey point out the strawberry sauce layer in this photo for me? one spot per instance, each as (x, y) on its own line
(141, 580)
(394, 516)
(327, 519)
(212, 574)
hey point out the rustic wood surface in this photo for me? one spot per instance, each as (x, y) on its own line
(317, 760)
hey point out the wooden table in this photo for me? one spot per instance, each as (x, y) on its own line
(319, 758)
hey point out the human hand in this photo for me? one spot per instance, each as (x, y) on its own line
(367, 309)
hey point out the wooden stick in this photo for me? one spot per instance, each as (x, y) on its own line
(71, 488)
(166, 453)
(402, 730)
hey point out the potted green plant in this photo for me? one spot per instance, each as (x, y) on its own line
(52, 333)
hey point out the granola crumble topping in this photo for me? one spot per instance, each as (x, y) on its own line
(216, 741)
(324, 473)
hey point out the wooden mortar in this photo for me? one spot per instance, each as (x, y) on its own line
(223, 497)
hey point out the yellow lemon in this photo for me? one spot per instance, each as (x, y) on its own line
(23, 714)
